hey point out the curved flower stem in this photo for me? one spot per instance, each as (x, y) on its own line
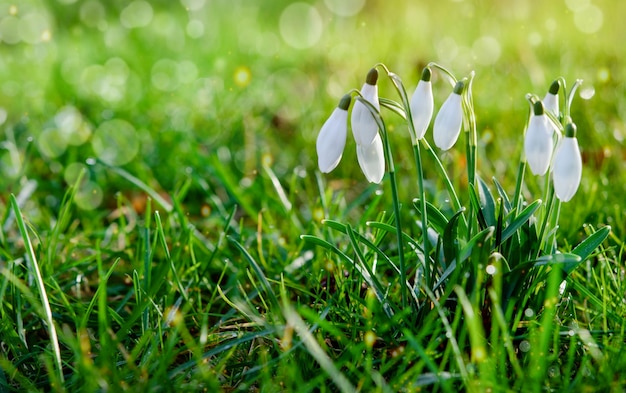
(470, 128)
(549, 198)
(397, 82)
(447, 72)
(394, 193)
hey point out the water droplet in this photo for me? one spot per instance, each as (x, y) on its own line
(491, 270)
(524, 346)
(529, 313)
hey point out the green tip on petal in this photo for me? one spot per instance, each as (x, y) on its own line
(426, 74)
(344, 103)
(570, 130)
(554, 87)
(458, 88)
(372, 77)
(538, 108)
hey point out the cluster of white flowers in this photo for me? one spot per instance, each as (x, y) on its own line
(369, 144)
(544, 146)
(539, 144)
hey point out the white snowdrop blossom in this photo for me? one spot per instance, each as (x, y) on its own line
(422, 105)
(332, 137)
(567, 167)
(538, 142)
(551, 100)
(449, 119)
(364, 127)
(372, 159)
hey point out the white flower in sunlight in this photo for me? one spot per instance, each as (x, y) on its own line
(567, 167)
(551, 100)
(364, 127)
(372, 159)
(538, 142)
(332, 137)
(422, 105)
(449, 119)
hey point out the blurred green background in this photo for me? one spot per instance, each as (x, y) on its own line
(214, 89)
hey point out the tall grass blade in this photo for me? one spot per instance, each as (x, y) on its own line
(34, 267)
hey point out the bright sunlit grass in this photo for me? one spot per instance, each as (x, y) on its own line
(164, 225)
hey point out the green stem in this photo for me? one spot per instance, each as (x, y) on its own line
(394, 193)
(420, 183)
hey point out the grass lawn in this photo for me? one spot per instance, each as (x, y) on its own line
(165, 225)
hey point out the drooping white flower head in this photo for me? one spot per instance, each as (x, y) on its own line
(449, 119)
(538, 142)
(551, 100)
(364, 127)
(372, 159)
(332, 137)
(567, 167)
(422, 105)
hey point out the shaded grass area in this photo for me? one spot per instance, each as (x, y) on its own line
(178, 263)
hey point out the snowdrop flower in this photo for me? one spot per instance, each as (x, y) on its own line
(551, 100)
(372, 159)
(448, 121)
(567, 167)
(332, 137)
(364, 127)
(538, 141)
(422, 104)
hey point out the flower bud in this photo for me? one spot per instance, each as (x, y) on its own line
(332, 137)
(449, 119)
(372, 159)
(364, 127)
(538, 141)
(422, 105)
(567, 166)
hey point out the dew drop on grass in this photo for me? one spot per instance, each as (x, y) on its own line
(529, 313)
(524, 346)
(491, 270)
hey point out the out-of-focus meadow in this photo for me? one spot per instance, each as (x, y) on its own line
(179, 82)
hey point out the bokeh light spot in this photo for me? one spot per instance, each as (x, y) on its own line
(487, 50)
(88, 196)
(195, 29)
(300, 25)
(70, 122)
(193, 5)
(72, 171)
(345, 7)
(242, 76)
(92, 14)
(51, 142)
(136, 14)
(115, 142)
(32, 28)
(589, 20)
(10, 30)
(164, 75)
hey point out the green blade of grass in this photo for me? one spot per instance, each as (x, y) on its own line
(34, 267)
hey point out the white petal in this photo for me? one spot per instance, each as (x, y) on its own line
(538, 144)
(332, 140)
(567, 169)
(364, 127)
(551, 103)
(448, 122)
(422, 105)
(372, 160)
